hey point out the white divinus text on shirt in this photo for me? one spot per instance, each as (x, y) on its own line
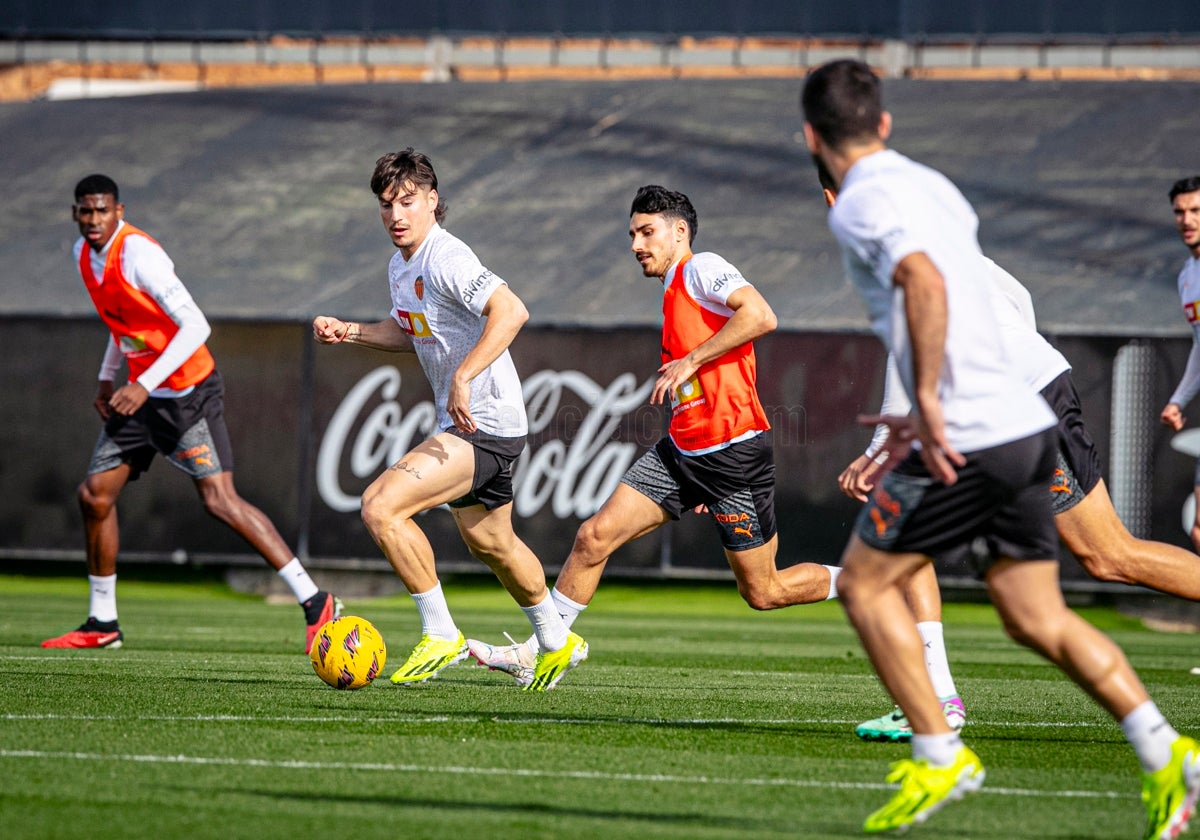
(575, 476)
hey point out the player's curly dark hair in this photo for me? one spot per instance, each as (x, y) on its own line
(657, 200)
(406, 168)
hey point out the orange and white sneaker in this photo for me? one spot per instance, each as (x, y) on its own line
(90, 634)
(319, 609)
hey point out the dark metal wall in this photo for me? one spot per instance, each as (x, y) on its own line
(312, 426)
(902, 19)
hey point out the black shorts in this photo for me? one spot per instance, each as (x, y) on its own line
(1078, 469)
(737, 484)
(189, 431)
(1000, 496)
(492, 485)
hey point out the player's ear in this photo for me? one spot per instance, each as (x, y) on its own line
(885, 125)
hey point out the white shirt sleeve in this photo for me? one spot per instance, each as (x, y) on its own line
(895, 402)
(148, 268)
(710, 279)
(1011, 290)
(111, 362)
(193, 332)
(465, 277)
(1189, 384)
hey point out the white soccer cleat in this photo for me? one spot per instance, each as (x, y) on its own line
(516, 659)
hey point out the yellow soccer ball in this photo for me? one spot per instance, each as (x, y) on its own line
(348, 652)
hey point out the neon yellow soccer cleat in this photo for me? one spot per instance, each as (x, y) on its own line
(551, 666)
(429, 658)
(925, 789)
(1170, 794)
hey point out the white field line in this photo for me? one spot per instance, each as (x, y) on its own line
(587, 775)
(492, 719)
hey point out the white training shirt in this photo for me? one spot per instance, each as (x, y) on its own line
(438, 298)
(148, 269)
(890, 207)
(1038, 361)
(1189, 296)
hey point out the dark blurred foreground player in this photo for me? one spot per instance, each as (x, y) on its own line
(172, 404)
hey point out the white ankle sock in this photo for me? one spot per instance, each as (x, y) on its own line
(834, 571)
(436, 620)
(102, 604)
(938, 750)
(297, 579)
(1150, 736)
(548, 626)
(568, 609)
(936, 661)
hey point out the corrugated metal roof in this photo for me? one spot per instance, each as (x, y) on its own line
(261, 196)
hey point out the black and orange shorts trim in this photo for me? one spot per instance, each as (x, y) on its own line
(1000, 497)
(1078, 470)
(492, 485)
(736, 484)
(189, 431)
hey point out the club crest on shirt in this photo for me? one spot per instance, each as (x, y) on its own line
(419, 287)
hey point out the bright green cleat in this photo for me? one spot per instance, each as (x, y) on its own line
(552, 665)
(429, 658)
(1170, 794)
(893, 727)
(924, 789)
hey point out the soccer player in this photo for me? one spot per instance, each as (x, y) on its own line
(983, 450)
(172, 403)
(1083, 511)
(459, 319)
(1185, 200)
(716, 455)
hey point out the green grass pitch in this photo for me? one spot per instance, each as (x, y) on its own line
(694, 718)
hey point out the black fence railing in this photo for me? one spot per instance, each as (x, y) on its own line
(913, 20)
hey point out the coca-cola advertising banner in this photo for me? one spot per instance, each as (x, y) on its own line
(313, 425)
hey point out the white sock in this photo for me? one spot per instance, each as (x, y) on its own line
(935, 658)
(1150, 736)
(548, 626)
(436, 620)
(834, 571)
(568, 609)
(102, 605)
(297, 579)
(938, 750)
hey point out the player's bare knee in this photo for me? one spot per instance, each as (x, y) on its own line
(94, 505)
(1103, 568)
(759, 597)
(591, 546)
(221, 506)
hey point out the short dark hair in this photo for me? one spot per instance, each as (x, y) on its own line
(97, 185)
(1184, 185)
(653, 199)
(401, 169)
(843, 102)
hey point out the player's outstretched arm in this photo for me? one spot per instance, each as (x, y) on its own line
(381, 335)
